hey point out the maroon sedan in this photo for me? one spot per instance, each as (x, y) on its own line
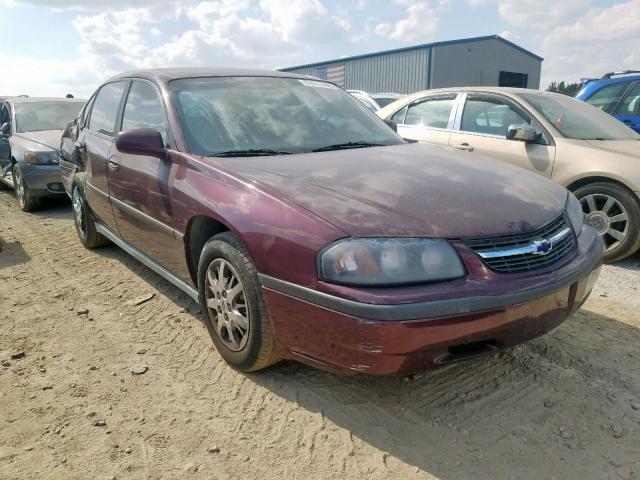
(308, 229)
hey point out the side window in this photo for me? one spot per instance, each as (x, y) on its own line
(398, 117)
(105, 108)
(608, 97)
(490, 116)
(84, 117)
(5, 116)
(631, 104)
(144, 110)
(433, 112)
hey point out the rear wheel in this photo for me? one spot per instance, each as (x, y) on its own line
(614, 214)
(84, 221)
(27, 202)
(233, 306)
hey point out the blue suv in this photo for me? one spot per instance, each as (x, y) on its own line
(617, 93)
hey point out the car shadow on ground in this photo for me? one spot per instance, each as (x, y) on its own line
(630, 263)
(12, 254)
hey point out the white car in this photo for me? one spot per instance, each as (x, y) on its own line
(569, 141)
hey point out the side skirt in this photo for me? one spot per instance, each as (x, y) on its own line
(152, 264)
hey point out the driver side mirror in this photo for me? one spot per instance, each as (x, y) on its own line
(5, 129)
(141, 141)
(523, 133)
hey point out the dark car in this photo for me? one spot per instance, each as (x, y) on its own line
(617, 93)
(30, 131)
(307, 229)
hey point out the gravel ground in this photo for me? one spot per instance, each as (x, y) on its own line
(107, 383)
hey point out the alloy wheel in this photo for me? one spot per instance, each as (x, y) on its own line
(78, 206)
(608, 217)
(19, 186)
(227, 305)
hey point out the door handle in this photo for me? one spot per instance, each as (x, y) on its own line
(463, 146)
(114, 164)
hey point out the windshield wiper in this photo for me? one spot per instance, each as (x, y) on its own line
(347, 145)
(252, 152)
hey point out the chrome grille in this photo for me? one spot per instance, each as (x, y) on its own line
(522, 253)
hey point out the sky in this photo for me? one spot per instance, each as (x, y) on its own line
(55, 47)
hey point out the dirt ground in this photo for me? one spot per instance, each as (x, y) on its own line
(566, 406)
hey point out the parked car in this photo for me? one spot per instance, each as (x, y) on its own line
(617, 93)
(568, 141)
(30, 131)
(307, 229)
(375, 101)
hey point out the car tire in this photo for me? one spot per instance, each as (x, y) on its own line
(603, 202)
(83, 219)
(27, 202)
(247, 345)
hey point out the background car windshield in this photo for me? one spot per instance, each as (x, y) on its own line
(39, 116)
(579, 120)
(283, 114)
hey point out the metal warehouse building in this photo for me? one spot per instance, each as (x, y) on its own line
(490, 60)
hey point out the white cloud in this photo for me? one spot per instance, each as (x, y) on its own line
(419, 24)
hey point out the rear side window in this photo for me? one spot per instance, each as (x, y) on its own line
(490, 116)
(105, 108)
(608, 96)
(144, 110)
(631, 104)
(433, 112)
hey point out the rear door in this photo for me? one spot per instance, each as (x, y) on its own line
(428, 119)
(628, 111)
(481, 127)
(140, 185)
(97, 145)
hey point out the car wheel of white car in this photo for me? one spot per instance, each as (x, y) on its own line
(26, 201)
(614, 214)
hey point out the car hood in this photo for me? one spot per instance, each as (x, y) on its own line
(626, 147)
(407, 190)
(45, 140)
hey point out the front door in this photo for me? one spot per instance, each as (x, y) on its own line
(5, 149)
(97, 145)
(141, 185)
(482, 128)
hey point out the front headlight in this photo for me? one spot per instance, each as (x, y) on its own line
(49, 157)
(575, 213)
(384, 262)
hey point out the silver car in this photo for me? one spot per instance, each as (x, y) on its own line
(30, 132)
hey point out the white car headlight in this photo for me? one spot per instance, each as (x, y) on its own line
(574, 212)
(383, 262)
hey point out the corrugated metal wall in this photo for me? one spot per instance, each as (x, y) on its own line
(471, 63)
(401, 72)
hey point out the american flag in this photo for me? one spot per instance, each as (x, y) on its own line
(332, 73)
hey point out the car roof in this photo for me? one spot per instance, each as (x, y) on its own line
(167, 74)
(43, 99)
(508, 91)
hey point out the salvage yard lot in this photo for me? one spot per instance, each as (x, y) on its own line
(564, 406)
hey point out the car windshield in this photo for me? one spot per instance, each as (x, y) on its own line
(271, 115)
(578, 120)
(39, 116)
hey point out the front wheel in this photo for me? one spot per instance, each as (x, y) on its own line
(27, 202)
(234, 310)
(614, 214)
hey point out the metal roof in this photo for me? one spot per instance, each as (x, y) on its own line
(416, 47)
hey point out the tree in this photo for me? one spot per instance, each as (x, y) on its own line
(569, 89)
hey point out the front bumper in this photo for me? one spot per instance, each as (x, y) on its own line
(346, 336)
(42, 180)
